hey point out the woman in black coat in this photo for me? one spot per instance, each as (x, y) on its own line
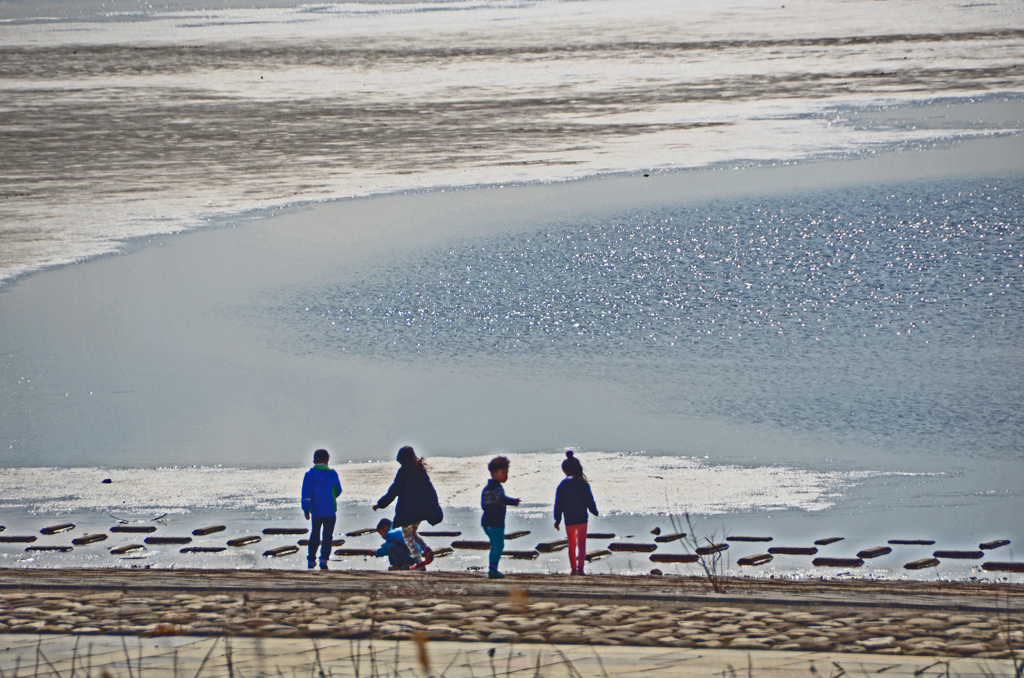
(417, 501)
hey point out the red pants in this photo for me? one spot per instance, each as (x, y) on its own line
(577, 546)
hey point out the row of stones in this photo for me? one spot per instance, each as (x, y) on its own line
(931, 633)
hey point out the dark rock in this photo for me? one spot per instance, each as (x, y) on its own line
(1002, 567)
(156, 541)
(120, 550)
(550, 546)
(203, 531)
(520, 555)
(912, 542)
(439, 533)
(360, 533)
(713, 548)
(472, 545)
(757, 559)
(989, 545)
(54, 529)
(639, 548)
(962, 555)
(666, 538)
(793, 550)
(674, 558)
(334, 542)
(88, 539)
(837, 562)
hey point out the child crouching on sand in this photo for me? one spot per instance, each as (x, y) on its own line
(493, 501)
(573, 499)
(394, 546)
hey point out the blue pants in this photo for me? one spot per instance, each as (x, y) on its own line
(324, 543)
(399, 557)
(497, 537)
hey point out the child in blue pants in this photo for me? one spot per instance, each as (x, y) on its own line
(493, 501)
(320, 490)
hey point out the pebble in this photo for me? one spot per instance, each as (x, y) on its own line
(289, 615)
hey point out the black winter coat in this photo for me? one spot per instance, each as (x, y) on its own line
(417, 498)
(573, 499)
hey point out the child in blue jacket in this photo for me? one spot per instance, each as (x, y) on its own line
(320, 490)
(394, 546)
(573, 499)
(493, 501)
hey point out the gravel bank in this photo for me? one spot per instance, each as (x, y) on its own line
(854, 617)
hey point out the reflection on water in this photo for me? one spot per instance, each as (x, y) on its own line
(884, 313)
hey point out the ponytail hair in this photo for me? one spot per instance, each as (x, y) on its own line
(572, 466)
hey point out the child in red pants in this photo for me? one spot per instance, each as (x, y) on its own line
(573, 499)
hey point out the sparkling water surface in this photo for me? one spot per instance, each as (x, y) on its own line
(884, 313)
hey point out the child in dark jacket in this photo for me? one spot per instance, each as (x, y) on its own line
(394, 546)
(573, 499)
(417, 501)
(493, 501)
(320, 490)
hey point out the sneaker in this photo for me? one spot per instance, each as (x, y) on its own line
(310, 563)
(323, 565)
(494, 574)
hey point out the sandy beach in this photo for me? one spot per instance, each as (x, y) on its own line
(669, 622)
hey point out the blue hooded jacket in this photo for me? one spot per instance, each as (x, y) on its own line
(393, 536)
(320, 490)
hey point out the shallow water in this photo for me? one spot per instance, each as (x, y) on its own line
(792, 506)
(836, 308)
